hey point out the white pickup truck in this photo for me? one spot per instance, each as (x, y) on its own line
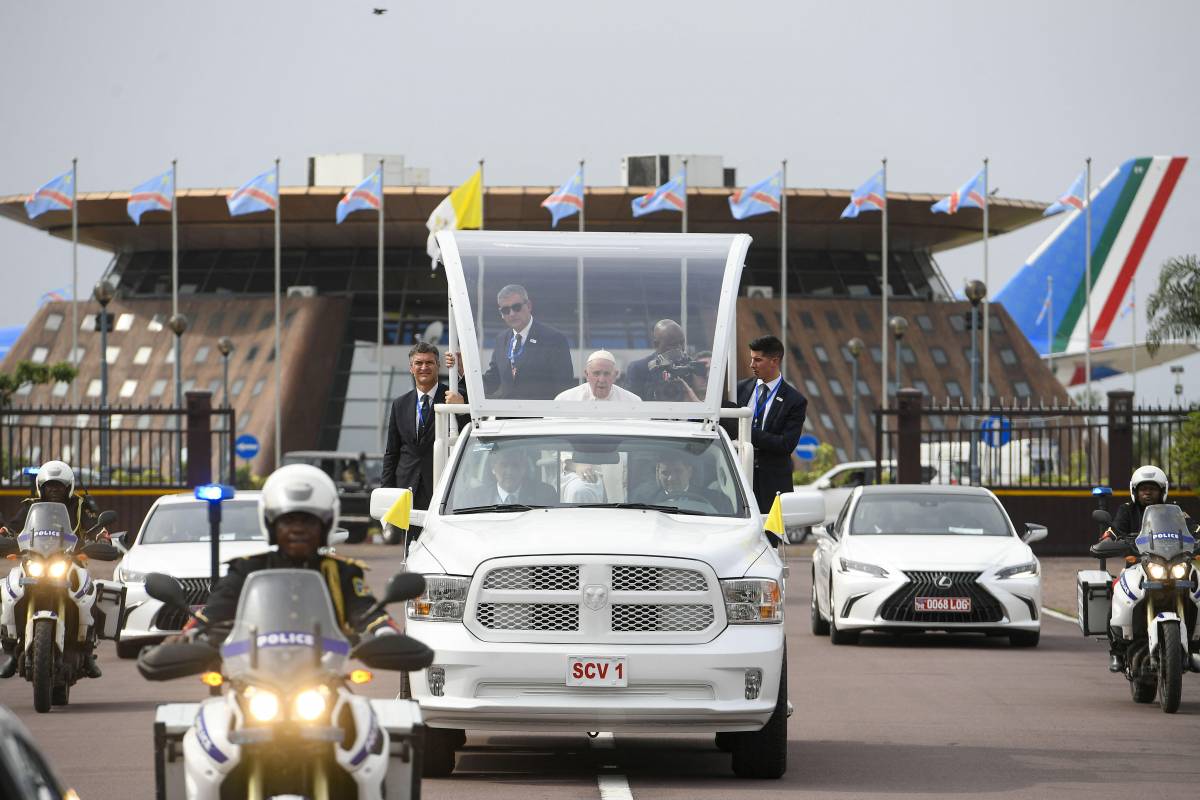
(652, 601)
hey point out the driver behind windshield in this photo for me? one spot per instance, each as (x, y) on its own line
(299, 507)
(514, 483)
(674, 486)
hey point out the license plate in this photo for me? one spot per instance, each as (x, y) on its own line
(958, 605)
(597, 671)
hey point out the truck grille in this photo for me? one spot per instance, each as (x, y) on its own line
(196, 590)
(661, 618)
(657, 579)
(528, 616)
(539, 578)
(900, 606)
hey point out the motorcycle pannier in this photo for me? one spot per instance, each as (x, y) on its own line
(109, 608)
(1093, 601)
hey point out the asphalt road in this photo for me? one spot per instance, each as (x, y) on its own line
(952, 716)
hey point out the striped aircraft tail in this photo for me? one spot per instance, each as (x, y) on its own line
(1126, 208)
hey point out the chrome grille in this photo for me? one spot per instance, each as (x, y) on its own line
(900, 607)
(657, 579)
(661, 617)
(528, 616)
(196, 591)
(540, 578)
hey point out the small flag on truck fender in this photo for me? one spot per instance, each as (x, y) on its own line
(774, 522)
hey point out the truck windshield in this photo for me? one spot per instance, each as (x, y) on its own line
(675, 475)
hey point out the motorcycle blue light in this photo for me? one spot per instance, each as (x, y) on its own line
(214, 492)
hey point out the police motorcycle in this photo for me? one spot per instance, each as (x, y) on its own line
(286, 722)
(52, 608)
(1152, 604)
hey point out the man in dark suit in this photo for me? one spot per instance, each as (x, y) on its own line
(666, 336)
(514, 483)
(530, 360)
(408, 455)
(779, 411)
(674, 487)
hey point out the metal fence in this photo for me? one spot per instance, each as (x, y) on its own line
(121, 446)
(1037, 447)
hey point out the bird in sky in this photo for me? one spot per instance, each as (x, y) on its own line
(379, 12)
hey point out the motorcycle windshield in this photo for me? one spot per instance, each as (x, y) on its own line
(285, 633)
(47, 530)
(1164, 532)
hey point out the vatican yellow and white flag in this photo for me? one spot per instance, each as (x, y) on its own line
(462, 209)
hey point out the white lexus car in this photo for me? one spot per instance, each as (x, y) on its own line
(918, 557)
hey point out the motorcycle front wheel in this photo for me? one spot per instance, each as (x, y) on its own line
(43, 665)
(1170, 667)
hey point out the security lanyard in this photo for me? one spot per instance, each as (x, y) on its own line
(514, 354)
(760, 407)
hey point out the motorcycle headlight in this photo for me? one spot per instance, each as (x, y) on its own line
(58, 568)
(263, 704)
(750, 601)
(1179, 570)
(1026, 570)
(309, 705)
(863, 567)
(444, 599)
(1156, 570)
(35, 569)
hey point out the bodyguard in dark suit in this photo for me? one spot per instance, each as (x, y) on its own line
(530, 360)
(408, 455)
(779, 411)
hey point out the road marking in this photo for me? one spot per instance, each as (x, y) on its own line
(1058, 615)
(612, 787)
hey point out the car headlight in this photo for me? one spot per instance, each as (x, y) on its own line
(444, 599)
(129, 575)
(1156, 570)
(264, 704)
(1026, 570)
(1179, 570)
(863, 567)
(58, 568)
(34, 569)
(309, 705)
(750, 601)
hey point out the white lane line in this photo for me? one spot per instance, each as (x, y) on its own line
(612, 787)
(1058, 615)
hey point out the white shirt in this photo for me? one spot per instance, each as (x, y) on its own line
(524, 334)
(417, 409)
(762, 421)
(584, 392)
(575, 489)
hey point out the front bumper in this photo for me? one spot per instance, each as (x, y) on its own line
(859, 603)
(140, 611)
(522, 687)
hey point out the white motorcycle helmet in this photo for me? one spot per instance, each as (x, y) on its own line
(299, 487)
(1146, 474)
(56, 471)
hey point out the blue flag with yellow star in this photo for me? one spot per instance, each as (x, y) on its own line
(54, 195)
(155, 194)
(260, 193)
(567, 200)
(761, 198)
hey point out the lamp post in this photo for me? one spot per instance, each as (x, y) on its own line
(104, 293)
(1177, 371)
(975, 291)
(178, 323)
(855, 346)
(899, 326)
(226, 348)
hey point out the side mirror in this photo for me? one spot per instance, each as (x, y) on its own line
(397, 653)
(99, 551)
(1034, 532)
(9, 546)
(338, 536)
(124, 540)
(1111, 548)
(401, 586)
(824, 483)
(167, 591)
(802, 509)
(106, 518)
(382, 501)
(1102, 517)
(169, 661)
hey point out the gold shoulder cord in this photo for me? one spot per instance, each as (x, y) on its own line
(333, 579)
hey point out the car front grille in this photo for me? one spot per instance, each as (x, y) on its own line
(900, 607)
(661, 618)
(657, 579)
(528, 616)
(196, 591)
(536, 578)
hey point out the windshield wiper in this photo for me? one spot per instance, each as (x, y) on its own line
(646, 507)
(496, 507)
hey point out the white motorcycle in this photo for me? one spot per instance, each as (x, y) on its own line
(286, 722)
(51, 603)
(1153, 603)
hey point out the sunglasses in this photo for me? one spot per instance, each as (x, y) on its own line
(514, 308)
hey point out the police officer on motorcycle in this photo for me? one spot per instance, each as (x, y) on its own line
(1148, 486)
(55, 483)
(299, 507)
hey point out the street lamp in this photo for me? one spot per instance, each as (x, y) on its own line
(975, 290)
(899, 326)
(1177, 371)
(855, 346)
(104, 293)
(225, 346)
(178, 323)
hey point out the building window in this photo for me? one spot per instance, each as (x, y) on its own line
(171, 355)
(939, 356)
(252, 353)
(994, 324)
(93, 389)
(923, 386)
(271, 355)
(1008, 356)
(827, 421)
(24, 389)
(958, 323)
(841, 454)
(112, 354)
(1022, 389)
(265, 320)
(213, 386)
(156, 323)
(158, 387)
(834, 319)
(863, 320)
(813, 389)
(142, 356)
(143, 422)
(124, 322)
(79, 352)
(87, 322)
(864, 390)
(835, 386)
(849, 420)
(288, 317)
(60, 389)
(806, 319)
(243, 421)
(924, 322)
(821, 353)
(214, 322)
(236, 388)
(39, 354)
(188, 385)
(129, 388)
(953, 389)
(258, 387)
(53, 321)
(907, 355)
(201, 354)
(877, 355)
(243, 321)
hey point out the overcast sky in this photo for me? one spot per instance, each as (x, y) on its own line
(226, 86)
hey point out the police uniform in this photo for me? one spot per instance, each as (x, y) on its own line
(343, 578)
(79, 508)
(1128, 521)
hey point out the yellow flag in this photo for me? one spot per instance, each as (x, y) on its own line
(461, 209)
(398, 514)
(774, 521)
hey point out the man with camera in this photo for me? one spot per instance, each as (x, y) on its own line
(667, 374)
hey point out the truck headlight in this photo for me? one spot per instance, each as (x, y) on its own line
(444, 599)
(750, 601)
(1025, 570)
(863, 567)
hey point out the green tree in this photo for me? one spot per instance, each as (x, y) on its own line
(1173, 310)
(37, 374)
(823, 460)
(1185, 452)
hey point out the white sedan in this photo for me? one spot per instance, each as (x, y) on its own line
(917, 557)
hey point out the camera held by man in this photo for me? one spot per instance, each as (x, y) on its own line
(673, 374)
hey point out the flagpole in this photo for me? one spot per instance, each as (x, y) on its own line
(883, 323)
(783, 276)
(683, 320)
(75, 278)
(175, 280)
(1133, 326)
(1050, 323)
(1087, 273)
(579, 263)
(987, 392)
(479, 283)
(278, 326)
(379, 322)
